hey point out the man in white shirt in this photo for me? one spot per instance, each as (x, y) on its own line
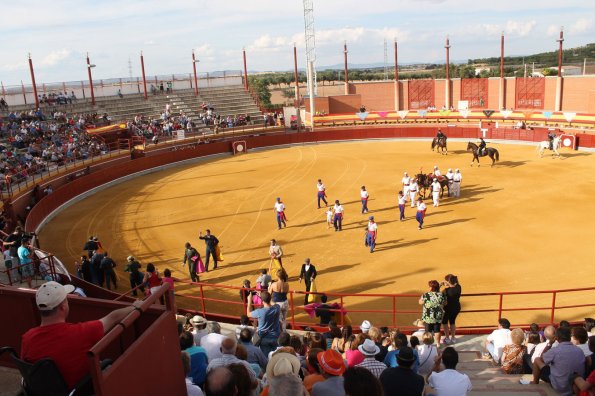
(371, 234)
(550, 342)
(448, 382)
(338, 220)
(364, 196)
(280, 212)
(413, 188)
(402, 201)
(449, 175)
(199, 324)
(421, 213)
(437, 171)
(436, 192)
(457, 178)
(212, 341)
(406, 180)
(321, 193)
(498, 340)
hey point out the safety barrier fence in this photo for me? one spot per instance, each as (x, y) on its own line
(480, 310)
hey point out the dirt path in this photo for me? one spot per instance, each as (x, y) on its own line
(523, 225)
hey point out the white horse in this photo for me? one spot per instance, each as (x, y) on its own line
(542, 146)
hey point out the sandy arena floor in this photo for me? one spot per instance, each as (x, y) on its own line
(521, 225)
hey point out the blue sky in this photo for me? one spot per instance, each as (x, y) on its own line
(58, 33)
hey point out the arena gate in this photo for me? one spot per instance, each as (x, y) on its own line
(530, 93)
(421, 94)
(475, 91)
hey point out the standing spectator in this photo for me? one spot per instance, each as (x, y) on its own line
(358, 381)
(369, 349)
(211, 243)
(90, 246)
(86, 269)
(433, 302)
(25, 253)
(307, 274)
(96, 271)
(269, 325)
(136, 277)
(13, 242)
(452, 291)
(558, 365)
(332, 367)
(497, 340)
(401, 380)
(192, 257)
(275, 252)
(279, 290)
(264, 279)
(107, 267)
(212, 341)
(152, 278)
(512, 354)
(449, 381)
(198, 358)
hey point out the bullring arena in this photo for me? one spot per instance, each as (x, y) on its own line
(515, 226)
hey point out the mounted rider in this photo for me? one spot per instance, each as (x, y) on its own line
(441, 137)
(551, 136)
(482, 147)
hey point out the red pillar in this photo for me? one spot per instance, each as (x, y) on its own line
(90, 80)
(142, 66)
(195, 79)
(397, 88)
(33, 81)
(396, 63)
(502, 56)
(245, 71)
(346, 70)
(447, 46)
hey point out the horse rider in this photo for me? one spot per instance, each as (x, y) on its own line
(441, 137)
(437, 171)
(551, 136)
(482, 146)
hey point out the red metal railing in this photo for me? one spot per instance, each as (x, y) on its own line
(394, 310)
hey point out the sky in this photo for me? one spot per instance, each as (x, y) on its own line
(59, 33)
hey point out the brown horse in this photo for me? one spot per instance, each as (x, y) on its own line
(440, 145)
(491, 152)
(425, 183)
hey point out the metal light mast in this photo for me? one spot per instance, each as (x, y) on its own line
(385, 61)
(310, 54)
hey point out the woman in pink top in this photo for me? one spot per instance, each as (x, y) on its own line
(352, 354)
(167, 278)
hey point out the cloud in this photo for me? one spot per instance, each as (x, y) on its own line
(54, 57)
(519, 28)
(582, 25)
(149, 42)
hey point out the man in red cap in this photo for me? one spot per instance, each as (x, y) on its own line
(332, 366)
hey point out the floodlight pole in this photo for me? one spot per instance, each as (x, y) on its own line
(195, 78)
(142, 67)
(346, 69)
(89, 66)
(246, 86)
(447, 90)
(502, 91)
(397, 93)
(297, 88)
(33, 81)
(559, 81)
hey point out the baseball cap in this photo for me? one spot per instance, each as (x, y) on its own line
(50, 295)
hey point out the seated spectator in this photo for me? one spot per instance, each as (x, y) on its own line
(287, 385)
(212, 341)
(332, 367)
(313, 368)
(353, 356)
(65, 343)
(448, 381)
(533, 340)
(414, 342)
(558, 365)
(244, 324)
(298, 346)
(369, 349)
(534, 328)
(281, 363)
(400, 341)
(365, 326)
(263, 279)
(580, 337)
(283, 341)
(220, 382)
(421, 328)
(497, 340)
(550, 341)
(339, 342)
(401, 380)
(198, 358)
(242, 354)
(191, 389)
(199, 330)
(314, 339)
(512, 354)
(376, 336)
(427, 353)
(255, 354)
(358, 381)
(228, 356)
(584, 387)
(590, 326)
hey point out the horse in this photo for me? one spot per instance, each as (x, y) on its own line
(546, 145)
(440, 145)
(425, 182)
(491, 152)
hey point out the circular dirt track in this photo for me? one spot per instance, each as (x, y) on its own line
(521, 225)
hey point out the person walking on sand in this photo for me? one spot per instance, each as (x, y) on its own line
(329, 217)
(406, 181)
(402, 202)
(371, 234)
(307, 274)
(280, 212)
(321, 193)
(364, 196)
(211, 243)
(191, 256)
(421, 212)
(413, 188)
(338, 219)
(275, 252)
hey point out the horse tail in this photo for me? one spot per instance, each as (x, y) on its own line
(497, 155)
(433, 143)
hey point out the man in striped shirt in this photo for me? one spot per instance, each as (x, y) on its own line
(369, 349)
